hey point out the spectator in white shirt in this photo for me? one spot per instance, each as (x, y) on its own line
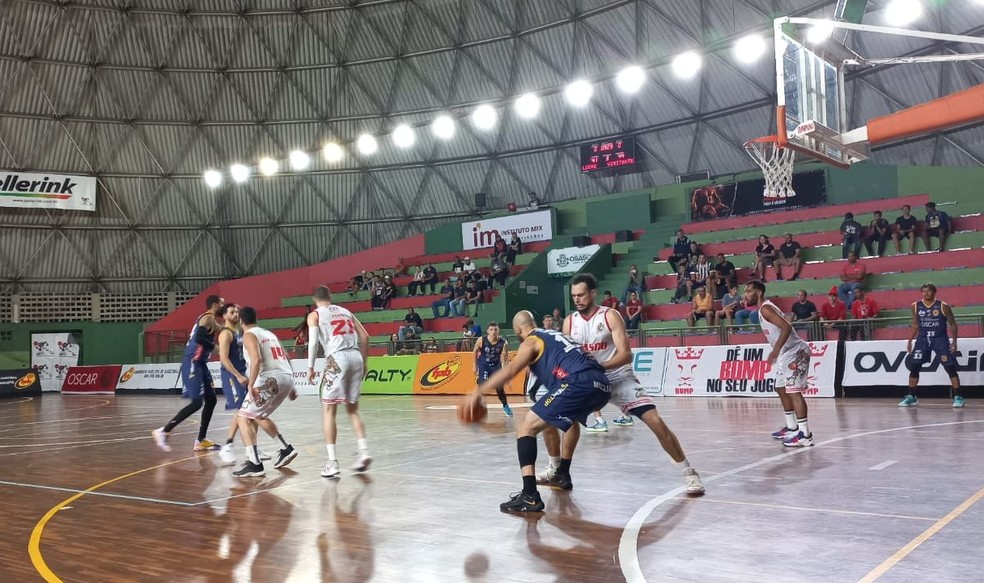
(469, 265)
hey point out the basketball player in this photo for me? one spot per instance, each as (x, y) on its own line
(346, 345)
(930, 319)
(600, 332)
(196, 378)
(790, 358)
(271, 380)
(491, 351)
(576, 385)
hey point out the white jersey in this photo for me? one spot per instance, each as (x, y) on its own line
(336, 329)
(595, 337)
(273, 359)
(772, 331)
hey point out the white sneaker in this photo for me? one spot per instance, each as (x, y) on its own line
(694, 486)
(160, 438)
(331, 469)
(546, 476)
(226, 454)
(362, 462)
(264, 456)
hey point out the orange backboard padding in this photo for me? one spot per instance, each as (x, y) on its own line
(953, 110)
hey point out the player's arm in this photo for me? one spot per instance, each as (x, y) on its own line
(785, 329)
(623, 352)
(914, 330)
(505, 352)
(951, 323)
(252, 348)
(205, 326)
(478, 351)
(225, 342)
(528, 351)
(313, 341)
(363, 336)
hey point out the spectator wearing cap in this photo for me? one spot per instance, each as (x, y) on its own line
(880, 231)
(833, 312)
(850, 236)
(852, 278)
(789, 256)
(865, 309)
(937, 224)
(469, 265)
(703, 307)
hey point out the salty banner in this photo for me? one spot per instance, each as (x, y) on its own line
(47, 191)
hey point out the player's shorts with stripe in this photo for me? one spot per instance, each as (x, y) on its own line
(273, 388)
(628, 393)
(792, 369)
(234, 391)
(196, 379)
(341, 381)
(573, 400)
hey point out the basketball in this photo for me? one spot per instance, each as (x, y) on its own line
(469, 412)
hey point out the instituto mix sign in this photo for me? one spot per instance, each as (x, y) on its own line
(528, 227)
(47, 191)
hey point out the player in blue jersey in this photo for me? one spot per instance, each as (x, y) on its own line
(491, 351)
(930, 319)
(576, 385)
(196, 378)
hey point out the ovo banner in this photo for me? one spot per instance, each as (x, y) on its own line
(453, 373)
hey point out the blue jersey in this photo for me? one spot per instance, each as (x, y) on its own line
(195, 352)
(490, 355)
(932, 320)
(236, 351)
(560, 358)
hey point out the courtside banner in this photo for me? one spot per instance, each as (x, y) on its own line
(453, 373)
(883, 363)
(91, 380)
(649, 366)
(149, 377)
(569, 260)
(20, 382)
(47, 191)
(741, 371)
(536, 226)
(390, 375)
(52, 354)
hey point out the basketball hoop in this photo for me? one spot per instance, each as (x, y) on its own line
(776, 163)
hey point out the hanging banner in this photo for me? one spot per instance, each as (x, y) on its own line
(885, 363)
(569, 260)
(47, 191)
(21, 382)
(91, 380)
(722, 201)
(160, 377)
(52, 354)
(536, 226)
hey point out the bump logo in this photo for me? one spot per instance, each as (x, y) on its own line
(128, 374)
(26, 381)
(441, 373)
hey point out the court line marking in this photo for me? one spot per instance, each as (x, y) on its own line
(883, 465)
(912, 545)
(34, 545)
(628, 553)
(21, 400)
(808, 509)
(104, 494)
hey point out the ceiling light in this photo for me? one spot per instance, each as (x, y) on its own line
(578, 93)
(299, 160)
(213, 178)
(367, 145)
(687, 65)
(332, 152)
(630, 79)
(269, 166)
(239, 172)
(443, 127)
(527, 106)
(819, 32)
(403, 136)
(484, 117)
(903, 12)
(749, 49)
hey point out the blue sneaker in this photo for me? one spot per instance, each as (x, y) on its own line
(784, 433)
(623, 421)
(507, 410)
(798, 440)
(909, 401)
(958, 402)
(598, 427)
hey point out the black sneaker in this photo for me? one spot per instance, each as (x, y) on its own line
(562, 481)
(250, 470)
(285, 456)
(520, 502)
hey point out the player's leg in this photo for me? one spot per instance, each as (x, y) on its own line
(671, 445)
(942, 348)
(203, 443)
(795, 367)
(920, 356)
(330, 427)
(599, 425)
(253, 466)
(350, 375)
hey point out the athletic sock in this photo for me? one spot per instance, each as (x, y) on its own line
(229, 441)
(684, 465)
(284, 442)
(362, 444)
(554, 462)
(564, 467)
(331, 451)
(529, 485)
(804, 427)
(599, 419)
(254, 454)
(790, 420)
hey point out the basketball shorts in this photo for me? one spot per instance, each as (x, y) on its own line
(485, 371)
(233, 390)
(573, 399)
(273, 388)
(341, 381)
(196, 379)
(629, 394)
(924, 348)
(792, 369)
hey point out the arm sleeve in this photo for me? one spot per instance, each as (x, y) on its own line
(313, 341)
(202, 338)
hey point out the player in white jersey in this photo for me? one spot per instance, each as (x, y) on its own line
(346, 345)
(601, 332)
(790, 357)
(270, 381)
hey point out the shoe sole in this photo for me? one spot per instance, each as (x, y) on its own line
(521, 511)
(330, 476)
(286, 460)
(229, 461)
(695, 493)
(163, 446)
(797, 445)
(251, 475)
(364, 466)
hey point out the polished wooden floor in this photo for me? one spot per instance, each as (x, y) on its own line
(879, 479)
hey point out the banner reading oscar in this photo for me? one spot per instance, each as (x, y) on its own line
(528, 227)
(21, 382)
(91, 380)
(741, 371)
(453, 373)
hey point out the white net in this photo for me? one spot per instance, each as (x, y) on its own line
(777, 167)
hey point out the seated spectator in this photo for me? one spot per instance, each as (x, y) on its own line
(548, 323)
(368, 281)
(789, 256)
(765, 254)
(458, 303)
(357, 283)
(681, 250)
(833, 313)
(850, 235)
(482, 279)
(730, 302)
(515, 248)
(430, 277)
(937, 224)
(805, 315)
(703, 307)
(727, 275)
(852, 276)
(430, 346)
(301, 338)
(470, 331)
(499, 249)
(394, 345)
(701, 273)
(457, 268)
(499, 272)
(389, 292)
(376, 301)
(745, 314)
(411, 323)
(558, 319)
(472, 296)
(416, 286)
(633, 312)
(864, 308)
(410, 344)
(905, 229)
(685, 285)
(469, 265)
(695, 250)
(400, 267)
(635, 284)
(878, 231)
(609, 301)
(447, 296)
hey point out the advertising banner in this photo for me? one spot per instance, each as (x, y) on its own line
(390, 375)
(20, 382)
(91, 380)
(47, 191)
(741, 370)
(569, 260)
(453, 373)
(721, 201)
(51, 356)
(884, 363)
(154, 377)
(535, 226)
(649, 366)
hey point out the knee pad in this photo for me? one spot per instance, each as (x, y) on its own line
(641, 410)
(526, 448)
(951, 370)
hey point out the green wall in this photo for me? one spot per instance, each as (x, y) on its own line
(548, 292)
(618, 213)
(443, 239)
(102, 342)
(945, 183)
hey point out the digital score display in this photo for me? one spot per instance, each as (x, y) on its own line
(609, 155)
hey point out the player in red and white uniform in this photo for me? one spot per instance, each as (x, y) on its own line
(601, 332)
(346, 345)
(270, 380)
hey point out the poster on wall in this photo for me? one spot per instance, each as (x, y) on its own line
(47, 191)
(569, 260)
(52, 354)
(529, 227)
(722, 201)
(885, 363)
